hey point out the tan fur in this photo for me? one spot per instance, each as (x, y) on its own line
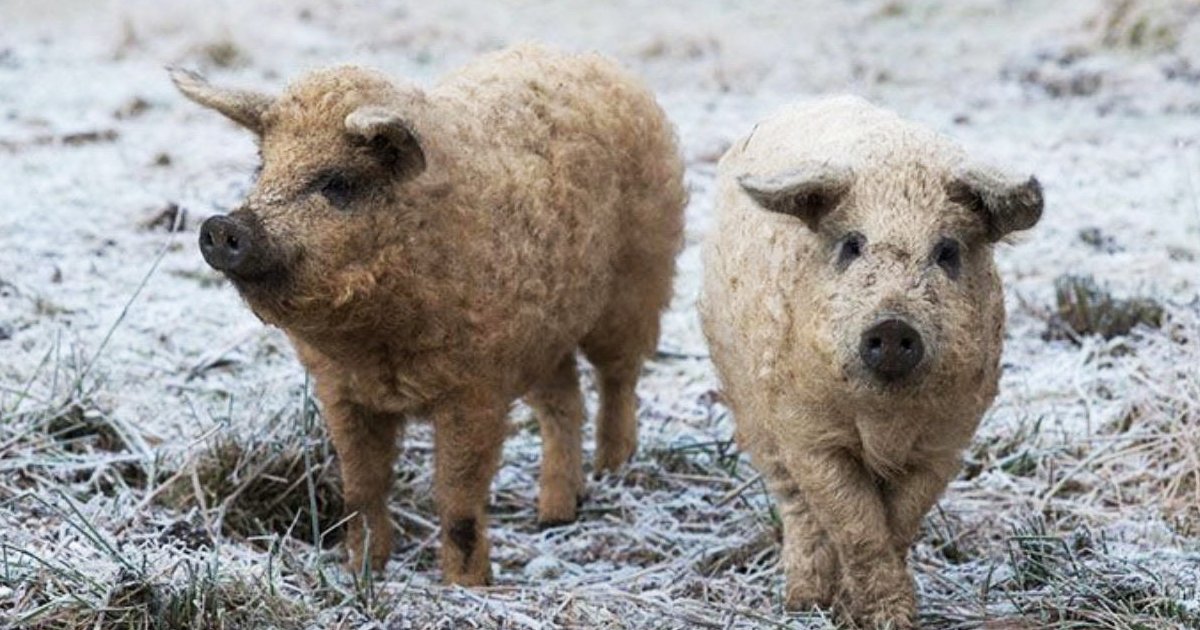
(854, 464)
(542, 215)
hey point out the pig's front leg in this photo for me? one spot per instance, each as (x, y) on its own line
(365, 441)
(877, 590)
(467, 443)
(809, 557)
(911, 496)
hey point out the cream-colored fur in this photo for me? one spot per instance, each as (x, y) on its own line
(854, 463)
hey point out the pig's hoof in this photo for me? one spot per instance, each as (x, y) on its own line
(378, 562)
(610, 457)
(549, 519)
(476, 578)
(558, 504)
(544, 524)
(884, 621)
(893, 615)
(565, 515)
(804, 600)
(562, 510)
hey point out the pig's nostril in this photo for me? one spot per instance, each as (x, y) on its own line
(891, 349)
(227, 243)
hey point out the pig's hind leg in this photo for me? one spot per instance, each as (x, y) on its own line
(558, 404)
(626, 332)
(616, 422)
(624, 336)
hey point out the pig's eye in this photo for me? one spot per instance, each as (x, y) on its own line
(337, 189)
(948, 255)
(850, 248)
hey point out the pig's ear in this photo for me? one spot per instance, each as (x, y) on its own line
(1006, 204)
(808, 193)
(243, 107)
(390, 138)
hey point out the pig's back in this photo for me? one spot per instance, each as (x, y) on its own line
(575, 166)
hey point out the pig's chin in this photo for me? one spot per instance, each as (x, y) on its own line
(871, 386)
(907, 385)
(267, 294)
(266, 280)
(302, 305)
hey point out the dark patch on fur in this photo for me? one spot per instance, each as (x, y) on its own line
(554, 523)
(790, 493)
(462, 535)
(779, 471)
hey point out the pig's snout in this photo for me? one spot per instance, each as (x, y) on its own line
(228, 244)
(891, 349)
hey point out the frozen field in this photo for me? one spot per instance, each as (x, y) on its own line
(162, 464)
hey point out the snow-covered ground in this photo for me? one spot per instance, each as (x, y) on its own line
(127, 367)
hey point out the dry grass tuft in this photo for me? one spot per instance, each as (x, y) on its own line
(1084, 308)
(56, 429)
(80, 426)
(281, 478)
(1056, 580)
(1143, 25)
(200, 596)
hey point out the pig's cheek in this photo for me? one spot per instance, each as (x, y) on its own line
(955, 348)
(830, 342)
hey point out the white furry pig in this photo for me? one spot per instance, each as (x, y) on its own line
(855, 318)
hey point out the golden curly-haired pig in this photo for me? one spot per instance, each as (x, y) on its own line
(439, 253)
(855, 318)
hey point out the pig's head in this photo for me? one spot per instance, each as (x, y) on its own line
(331, 203)
(903, 286)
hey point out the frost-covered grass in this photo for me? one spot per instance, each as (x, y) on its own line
(163, 464)
(239, 527)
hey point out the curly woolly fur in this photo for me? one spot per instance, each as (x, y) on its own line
(854, 462)
(479, 232)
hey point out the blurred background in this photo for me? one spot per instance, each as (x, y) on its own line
(161, 460)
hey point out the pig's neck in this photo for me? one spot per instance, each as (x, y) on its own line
(389, 369)
(889, 441)
(885, 445)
